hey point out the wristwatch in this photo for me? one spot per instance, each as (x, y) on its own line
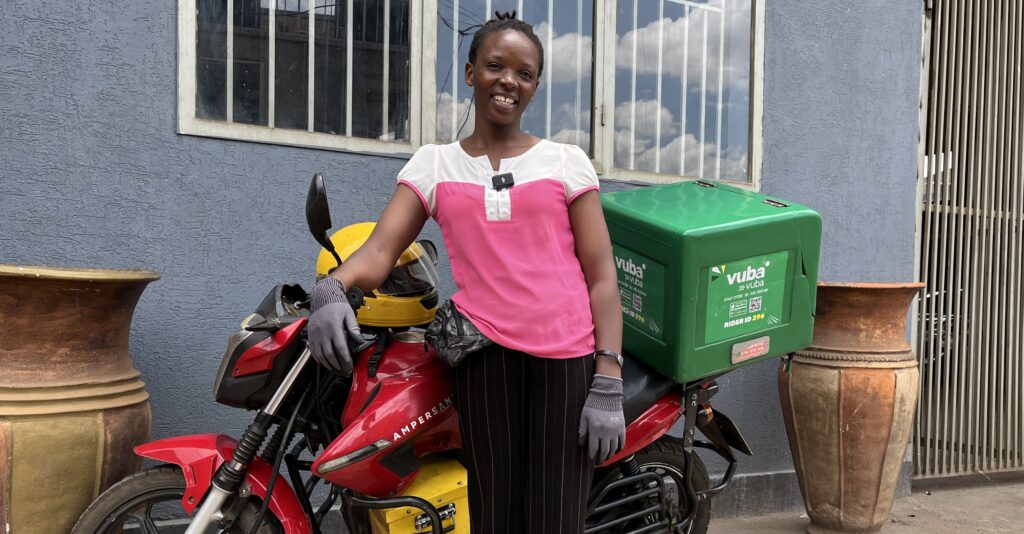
(610, 354)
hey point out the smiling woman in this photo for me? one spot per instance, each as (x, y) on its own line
(525, 232)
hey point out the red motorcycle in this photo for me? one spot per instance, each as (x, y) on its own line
(372, 437)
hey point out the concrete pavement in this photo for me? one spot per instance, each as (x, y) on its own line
(986, 504)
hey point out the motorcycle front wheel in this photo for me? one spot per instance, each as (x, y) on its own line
(149, 502)
(666, 458)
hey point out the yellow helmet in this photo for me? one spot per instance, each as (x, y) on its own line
(408, 297)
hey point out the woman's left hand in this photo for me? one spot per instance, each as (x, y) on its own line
(602, 425)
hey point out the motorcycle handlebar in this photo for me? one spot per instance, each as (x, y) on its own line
(355, 298)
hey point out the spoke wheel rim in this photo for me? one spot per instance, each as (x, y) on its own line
(129, 510)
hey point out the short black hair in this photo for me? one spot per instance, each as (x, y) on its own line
(501, 22)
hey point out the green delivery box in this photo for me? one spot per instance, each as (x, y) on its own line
(711, 276)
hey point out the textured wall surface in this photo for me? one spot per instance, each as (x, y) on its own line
(840, 127)
(93, 174)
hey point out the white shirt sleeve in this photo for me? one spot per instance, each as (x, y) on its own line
(578, 174)
(420, 175)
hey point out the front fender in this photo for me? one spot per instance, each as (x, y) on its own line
(199, 457)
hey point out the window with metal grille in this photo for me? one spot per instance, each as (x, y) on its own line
(682, 87)
(330, 73)
(673, 81)
(653, 90)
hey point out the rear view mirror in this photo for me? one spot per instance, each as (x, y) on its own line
(318, 214)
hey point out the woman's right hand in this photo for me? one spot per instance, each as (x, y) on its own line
(331, 324)
(333, 320)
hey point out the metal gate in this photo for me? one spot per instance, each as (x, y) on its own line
(969, 334)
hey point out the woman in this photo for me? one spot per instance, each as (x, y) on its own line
(531, 257)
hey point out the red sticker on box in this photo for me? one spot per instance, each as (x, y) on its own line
(742, 352)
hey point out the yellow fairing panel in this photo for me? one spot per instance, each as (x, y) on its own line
(442, 482)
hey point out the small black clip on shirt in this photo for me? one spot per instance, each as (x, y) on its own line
(502, 181)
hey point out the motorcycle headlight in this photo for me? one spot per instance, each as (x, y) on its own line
(354, 456)
(234, 341)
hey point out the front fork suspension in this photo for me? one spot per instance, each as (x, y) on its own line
(230, 475)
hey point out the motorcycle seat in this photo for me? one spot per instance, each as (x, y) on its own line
(641, 387)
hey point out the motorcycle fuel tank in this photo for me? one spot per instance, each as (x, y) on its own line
(712, 277)
(402, 412)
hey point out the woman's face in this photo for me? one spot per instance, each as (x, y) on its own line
(504, 77)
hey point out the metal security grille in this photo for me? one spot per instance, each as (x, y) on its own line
(969, 333)
(320, 66)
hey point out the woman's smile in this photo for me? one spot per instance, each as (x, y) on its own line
(505, 102)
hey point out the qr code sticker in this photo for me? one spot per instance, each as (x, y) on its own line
(755, 304)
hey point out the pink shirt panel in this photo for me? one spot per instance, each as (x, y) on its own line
(512, 252)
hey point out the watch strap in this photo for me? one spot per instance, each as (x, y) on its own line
(609, 354)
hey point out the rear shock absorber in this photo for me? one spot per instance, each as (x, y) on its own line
(629, 466)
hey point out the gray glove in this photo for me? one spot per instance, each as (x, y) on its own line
(602, 425)
(332, 317)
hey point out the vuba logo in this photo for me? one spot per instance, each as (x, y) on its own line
(629, 267)
(748, 275)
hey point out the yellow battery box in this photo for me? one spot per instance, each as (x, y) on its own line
(442, 482)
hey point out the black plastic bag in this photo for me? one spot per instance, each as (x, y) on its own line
(453, 336)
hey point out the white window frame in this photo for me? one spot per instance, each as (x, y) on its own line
(422, 37)
(422, 127)
(603, 127)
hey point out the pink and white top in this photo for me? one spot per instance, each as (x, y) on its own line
(512, 251)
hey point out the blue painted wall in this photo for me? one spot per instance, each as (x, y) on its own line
(93, 174)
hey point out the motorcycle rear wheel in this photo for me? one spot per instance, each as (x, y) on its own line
(666, 457)
(150, 501)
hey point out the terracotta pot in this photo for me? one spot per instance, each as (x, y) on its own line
(849, 402)
(71, 404)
